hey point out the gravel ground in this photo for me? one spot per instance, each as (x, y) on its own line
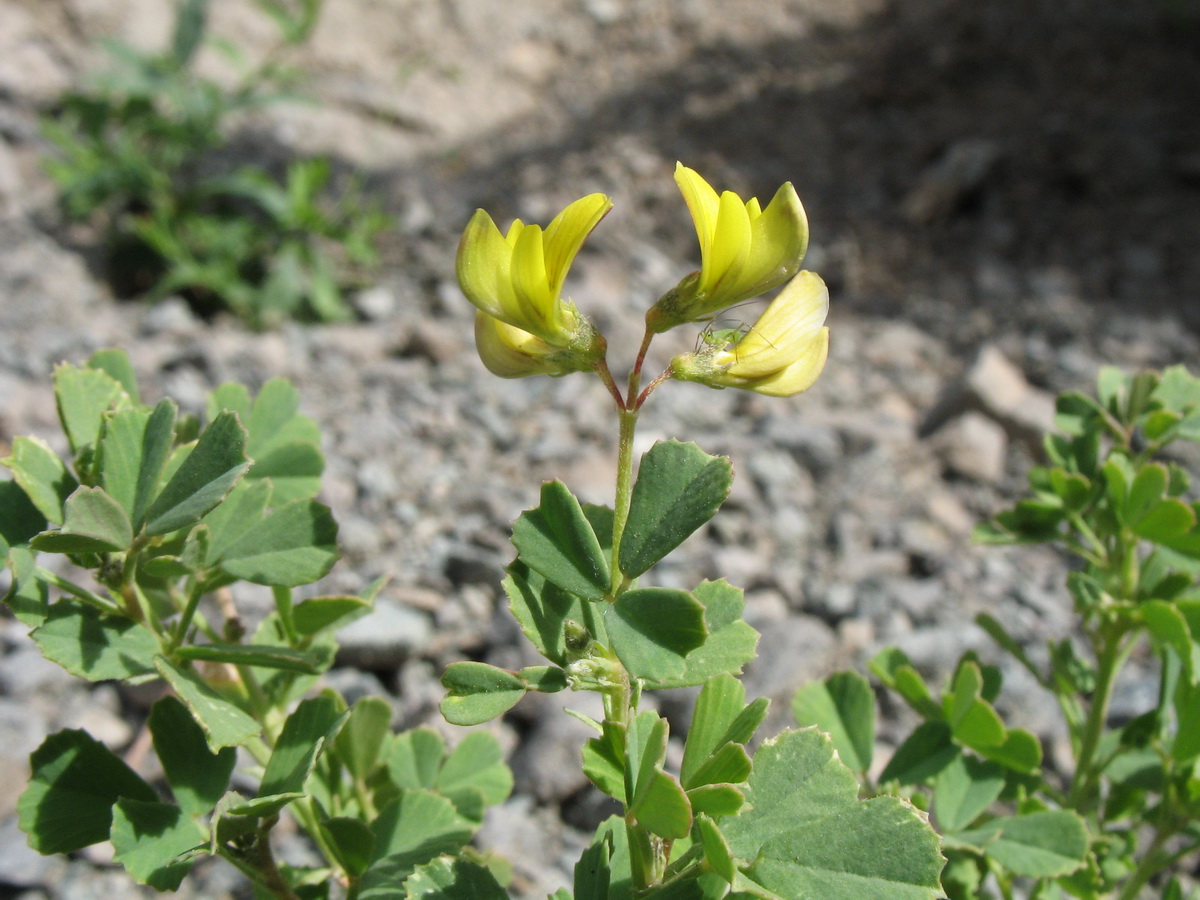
(996, 221)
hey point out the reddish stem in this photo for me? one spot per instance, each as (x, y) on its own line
(650, 387)
(602, 370)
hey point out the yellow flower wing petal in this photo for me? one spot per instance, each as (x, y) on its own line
(483, 265)
(799, 376)
(783, 332)
(778, 241)
(702, 202)
(566, 234)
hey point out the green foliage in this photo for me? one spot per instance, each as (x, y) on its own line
(1116, 496)
(698, 833)
(145, 153)
(166, 514)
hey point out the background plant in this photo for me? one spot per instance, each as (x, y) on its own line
(162, 514)
(145, 154)
(1115, 496)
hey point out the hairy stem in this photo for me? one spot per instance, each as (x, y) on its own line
(628, 421)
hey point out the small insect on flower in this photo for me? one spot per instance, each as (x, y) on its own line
(781, 354)
(720, 337)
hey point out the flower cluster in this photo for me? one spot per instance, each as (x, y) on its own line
(525, 327)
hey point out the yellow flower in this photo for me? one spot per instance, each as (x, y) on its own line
(744, 250)
(779, 355)
(518, 277)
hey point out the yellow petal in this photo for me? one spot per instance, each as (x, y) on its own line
(778, 241)
(566, 234)
(510, 352)
(483, 264)
(537, 308)
(730, 247)
(783, 332)
(799, 376)
(702, 202)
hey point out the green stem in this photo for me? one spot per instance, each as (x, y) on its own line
(260, 706)
(247, 867)
(628, 420)
(283, 606)
(1099, 553)
(185, 617)
(645, 395)
(1155, 860)
(364, 800)
(70, 587)
(643, 856)
(1112, 654)
(306, 815)
(149, 616)
(263, 859)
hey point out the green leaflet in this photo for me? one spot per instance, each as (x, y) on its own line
(843, 707)
(679, 487)
(809, 836)
(75, 782)
(556, 540)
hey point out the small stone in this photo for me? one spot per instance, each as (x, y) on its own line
(171, 315)
(26, 672)
(11, 186)
(354, 684)
(435, 342)
(466, 565)
(358, 536)
(532, 838)
(946, 509)
(921, 600)
(374, 303)
(98, 712)
(385, 638)
(818, 448)
(995, 387)
(944, 186)
(20, 865)
(855, 635)
(604, 12)
(975, 447)
(789, 653)
(546, 763)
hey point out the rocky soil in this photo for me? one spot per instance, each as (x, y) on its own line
(1004, 196)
